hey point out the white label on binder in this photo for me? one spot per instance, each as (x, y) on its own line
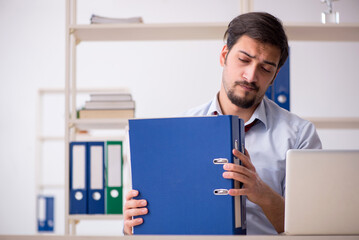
(114, 166)
(41, 209)
(96, 157)
(78, 166)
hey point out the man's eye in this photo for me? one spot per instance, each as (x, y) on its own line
(243, 60)
(266, 70)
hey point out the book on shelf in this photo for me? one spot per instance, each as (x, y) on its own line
(104, 113)
(110, 104)
(96, 19)
(110, 97)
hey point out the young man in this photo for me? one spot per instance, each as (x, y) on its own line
(255, 50)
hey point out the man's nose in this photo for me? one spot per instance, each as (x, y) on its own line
(250, 73)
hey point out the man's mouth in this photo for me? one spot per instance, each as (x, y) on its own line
(247, 86)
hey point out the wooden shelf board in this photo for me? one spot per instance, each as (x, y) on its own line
(88, 124)
(147, 32)
(51, 138)
(95, 217)
(319, 122)
(334, 122)
(206, 31)
(322, 32)
(51, 186)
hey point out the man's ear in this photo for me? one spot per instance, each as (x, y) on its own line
(223, 55)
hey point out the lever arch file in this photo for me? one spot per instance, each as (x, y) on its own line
(78, 179)
(96, 177)
(45, 213)
(279, 92)
(177, 166)
(114, 177)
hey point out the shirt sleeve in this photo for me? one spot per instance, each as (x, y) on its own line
(307, 139)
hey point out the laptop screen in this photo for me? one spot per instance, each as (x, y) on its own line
(322, 192)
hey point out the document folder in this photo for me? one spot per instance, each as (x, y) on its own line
(96, 177)
(114, 179)
(45, 213)
(279, 92)
(78, 181)
(177, 166)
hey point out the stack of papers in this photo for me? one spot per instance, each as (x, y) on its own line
(96, 19)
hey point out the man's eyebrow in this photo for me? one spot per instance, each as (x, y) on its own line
(265, 61)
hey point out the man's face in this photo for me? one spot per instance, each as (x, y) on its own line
(248, 70)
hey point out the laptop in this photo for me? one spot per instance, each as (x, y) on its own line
(322, 192)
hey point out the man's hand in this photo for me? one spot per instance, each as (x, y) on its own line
(255, 189)
(133, 208)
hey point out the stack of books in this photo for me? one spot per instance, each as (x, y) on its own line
(108, 105)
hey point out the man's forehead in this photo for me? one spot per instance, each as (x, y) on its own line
(255, 49)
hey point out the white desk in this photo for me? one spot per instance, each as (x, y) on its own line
(164, 237)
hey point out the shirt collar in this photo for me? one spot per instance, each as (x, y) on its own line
(259, 113)
(214, 108)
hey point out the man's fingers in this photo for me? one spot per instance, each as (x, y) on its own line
(133, 222)
(133, 203)
(247, 153)
(238, 169)
(237, 176)
(238, 192)
(135, 212)
(133, 208)
(131, 194)
(245, 158)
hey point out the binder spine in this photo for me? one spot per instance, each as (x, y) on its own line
(96, 177)
(239, 201)
(45, 213)
(114, 177)
(78, 178)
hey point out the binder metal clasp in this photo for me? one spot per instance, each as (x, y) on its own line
(220, 191)
(220, 160)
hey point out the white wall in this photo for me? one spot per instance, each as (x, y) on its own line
(165, 78)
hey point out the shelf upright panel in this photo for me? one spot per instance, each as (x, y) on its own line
(70, 100)
(67, 102)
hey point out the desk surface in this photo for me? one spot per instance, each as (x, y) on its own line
(163, 237)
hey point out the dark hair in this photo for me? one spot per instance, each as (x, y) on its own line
(260, 26)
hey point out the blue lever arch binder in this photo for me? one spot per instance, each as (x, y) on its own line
(78, 180)
(177, 166)
(45, 213)
(279, 92)
(96, 177)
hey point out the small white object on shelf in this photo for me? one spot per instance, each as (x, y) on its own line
(96, 19)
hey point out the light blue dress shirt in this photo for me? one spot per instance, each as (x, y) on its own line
(275, 132)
